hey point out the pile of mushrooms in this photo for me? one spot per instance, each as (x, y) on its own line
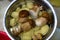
(24, 24)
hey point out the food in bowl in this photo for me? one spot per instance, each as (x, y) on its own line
(31, 21)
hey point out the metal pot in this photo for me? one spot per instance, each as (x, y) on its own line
(13, 5)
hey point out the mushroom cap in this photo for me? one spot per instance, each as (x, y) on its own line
(23, 13)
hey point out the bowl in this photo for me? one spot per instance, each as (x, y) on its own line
(14, 4)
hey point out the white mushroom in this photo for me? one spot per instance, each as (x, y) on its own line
(21, 20)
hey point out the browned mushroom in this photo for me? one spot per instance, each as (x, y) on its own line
(24, 13)
(28, 25)
(47, 16)
(32, 22)
(21, 20)
(23, 16)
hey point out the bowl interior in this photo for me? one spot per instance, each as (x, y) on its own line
(18, 4)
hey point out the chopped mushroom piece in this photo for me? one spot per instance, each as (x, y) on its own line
(47, 16)
(21, 20)
(32, 22)
(28, 25)
(41, 21)
(24, 13)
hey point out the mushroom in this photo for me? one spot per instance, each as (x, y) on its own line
(44, 19)
(28, 25)
(23, 15)
(34, 11)
(41, 21)
(21, 20)
(47, 16)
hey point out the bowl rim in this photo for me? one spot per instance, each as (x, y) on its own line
(55, 19)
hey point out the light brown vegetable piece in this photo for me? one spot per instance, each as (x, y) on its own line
(37, 37)
(47, 16)
(21, 20)
(26, 26)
